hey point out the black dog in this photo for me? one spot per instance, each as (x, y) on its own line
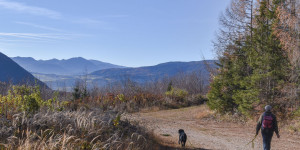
(182, 137)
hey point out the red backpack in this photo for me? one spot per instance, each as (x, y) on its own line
(267, 122)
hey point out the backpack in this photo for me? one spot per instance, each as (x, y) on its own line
(267, 122)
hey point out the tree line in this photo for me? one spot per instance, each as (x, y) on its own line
(258, 49)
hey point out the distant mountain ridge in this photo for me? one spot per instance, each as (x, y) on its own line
(72, 66)
(13, 73)
(143, 74)
(139, 74)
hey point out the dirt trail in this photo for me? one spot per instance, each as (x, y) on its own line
(204, 133)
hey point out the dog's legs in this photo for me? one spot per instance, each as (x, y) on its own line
(182, 144)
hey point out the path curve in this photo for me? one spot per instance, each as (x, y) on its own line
(205, 133)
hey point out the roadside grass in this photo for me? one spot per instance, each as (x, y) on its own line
(294, 127)
(205, 113)
(81, 129)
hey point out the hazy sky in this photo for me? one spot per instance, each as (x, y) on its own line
(124, 32)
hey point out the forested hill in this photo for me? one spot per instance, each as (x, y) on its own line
(11, 72)
(169, 69)
(259, 50)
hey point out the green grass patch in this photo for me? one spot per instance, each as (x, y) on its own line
(165, 134)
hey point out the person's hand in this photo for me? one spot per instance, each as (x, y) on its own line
(278, 136)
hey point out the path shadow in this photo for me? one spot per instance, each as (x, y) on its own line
(161, 147)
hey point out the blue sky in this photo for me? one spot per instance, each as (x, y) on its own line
(125, 32)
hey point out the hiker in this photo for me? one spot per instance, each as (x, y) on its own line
(268, 124)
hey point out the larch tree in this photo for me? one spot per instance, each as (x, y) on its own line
(287, 31)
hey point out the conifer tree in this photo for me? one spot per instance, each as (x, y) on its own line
(253, 68)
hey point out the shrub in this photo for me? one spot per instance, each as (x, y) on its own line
(30, 104)
(27, 99)
(177, 94)
(196, 99)
(121, 97)
(20, 98)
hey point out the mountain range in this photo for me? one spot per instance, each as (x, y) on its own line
(152, 73)
(72, 66)
(13, 73)
(59, 74)
(139, 74)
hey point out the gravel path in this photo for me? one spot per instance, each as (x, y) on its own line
(206, 133)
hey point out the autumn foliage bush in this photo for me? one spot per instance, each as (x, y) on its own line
(25, 99)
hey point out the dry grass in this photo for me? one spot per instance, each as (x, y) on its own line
(204, 113)
(82, 129)
(90, 121)
(294, 126)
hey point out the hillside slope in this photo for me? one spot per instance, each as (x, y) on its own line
(11, 72)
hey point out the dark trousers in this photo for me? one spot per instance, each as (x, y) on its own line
(267, 137)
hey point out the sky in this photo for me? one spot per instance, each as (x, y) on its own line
(131, 33)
